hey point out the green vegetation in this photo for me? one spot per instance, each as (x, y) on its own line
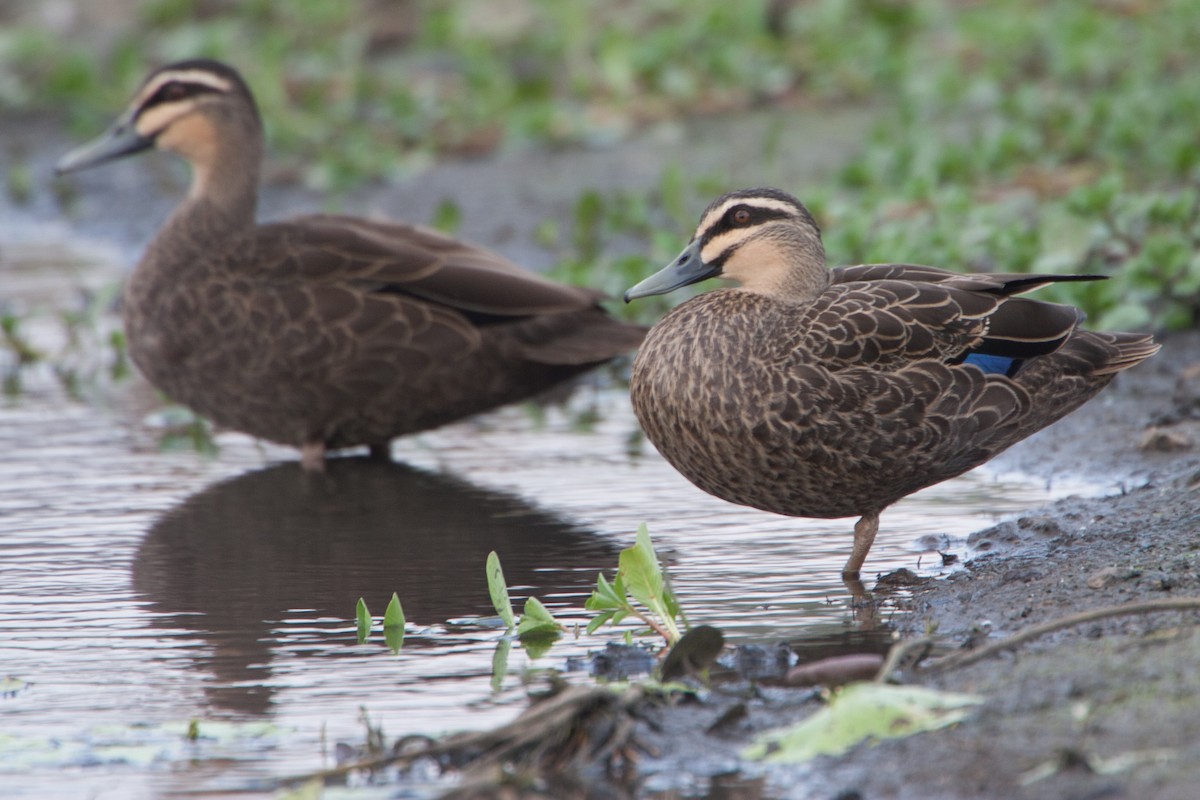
(498, 589)
(393, 623)
(1009, 136)
(1057, 136)
(537, 628)
(18, 351)
(1012, 137)
(640, 590)
(390, 82)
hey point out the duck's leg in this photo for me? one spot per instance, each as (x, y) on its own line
(864, 536)
(312, 456)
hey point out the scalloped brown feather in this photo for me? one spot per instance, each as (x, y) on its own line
(841, 404)
(300, 332)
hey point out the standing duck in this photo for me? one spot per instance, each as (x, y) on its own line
(817, 392)
(324, 331)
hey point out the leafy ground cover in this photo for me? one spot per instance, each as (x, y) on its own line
(1029, 135)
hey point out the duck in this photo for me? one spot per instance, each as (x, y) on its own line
(324, 331)
(821, 392)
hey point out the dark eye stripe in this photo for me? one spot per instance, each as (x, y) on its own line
(173, 91)
(758, 215)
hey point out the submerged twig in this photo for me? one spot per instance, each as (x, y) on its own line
(1019, 638)
(578, 724)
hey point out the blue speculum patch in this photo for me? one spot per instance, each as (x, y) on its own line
(993, 365)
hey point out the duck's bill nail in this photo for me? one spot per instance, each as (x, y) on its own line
(122, 139)
(686, 269)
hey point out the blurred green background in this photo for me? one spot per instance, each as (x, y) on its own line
(1011, 136)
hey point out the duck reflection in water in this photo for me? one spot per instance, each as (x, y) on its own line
(233, 560)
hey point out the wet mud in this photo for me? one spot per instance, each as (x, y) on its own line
(1106, 709)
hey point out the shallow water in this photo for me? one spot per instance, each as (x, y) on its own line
(142, 589)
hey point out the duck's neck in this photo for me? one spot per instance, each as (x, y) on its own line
(226, 185)
(805, 280)
(226, 159)
(786, 265)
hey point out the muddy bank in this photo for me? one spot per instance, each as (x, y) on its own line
(1111, 705)
(1107, 709)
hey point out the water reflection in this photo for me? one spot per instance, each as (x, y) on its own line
(235, 560)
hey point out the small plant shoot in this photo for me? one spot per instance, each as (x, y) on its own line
(393, 624)
(537, 629)
(639, 578)
(363, 620)
(537, 621)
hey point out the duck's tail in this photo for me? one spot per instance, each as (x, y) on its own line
(1110, 352)
(1062, 381)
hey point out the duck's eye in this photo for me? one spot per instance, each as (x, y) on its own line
(741, 216)
(169, 93)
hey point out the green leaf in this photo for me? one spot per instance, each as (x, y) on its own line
(619, 592)
(447, 216)
(605, 597)
(363, 618)
(498, 589)
(538, 646)
(862, 711)
(394, 615)
(536, 620)
(393, 625)
(537, 629)
(640, 571)
(500, 662)
(613, 616)
(642, 576)
(599, 620)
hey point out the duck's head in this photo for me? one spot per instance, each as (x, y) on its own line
(199, 109)
(764, 239)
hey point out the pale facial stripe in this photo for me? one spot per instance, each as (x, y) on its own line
(725, 242)
(200, 76)
(154, 120)
(769, 203)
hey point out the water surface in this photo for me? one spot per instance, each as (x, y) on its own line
(143, 589)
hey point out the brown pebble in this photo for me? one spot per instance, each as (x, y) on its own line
(836, 670)
(1103, 578)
